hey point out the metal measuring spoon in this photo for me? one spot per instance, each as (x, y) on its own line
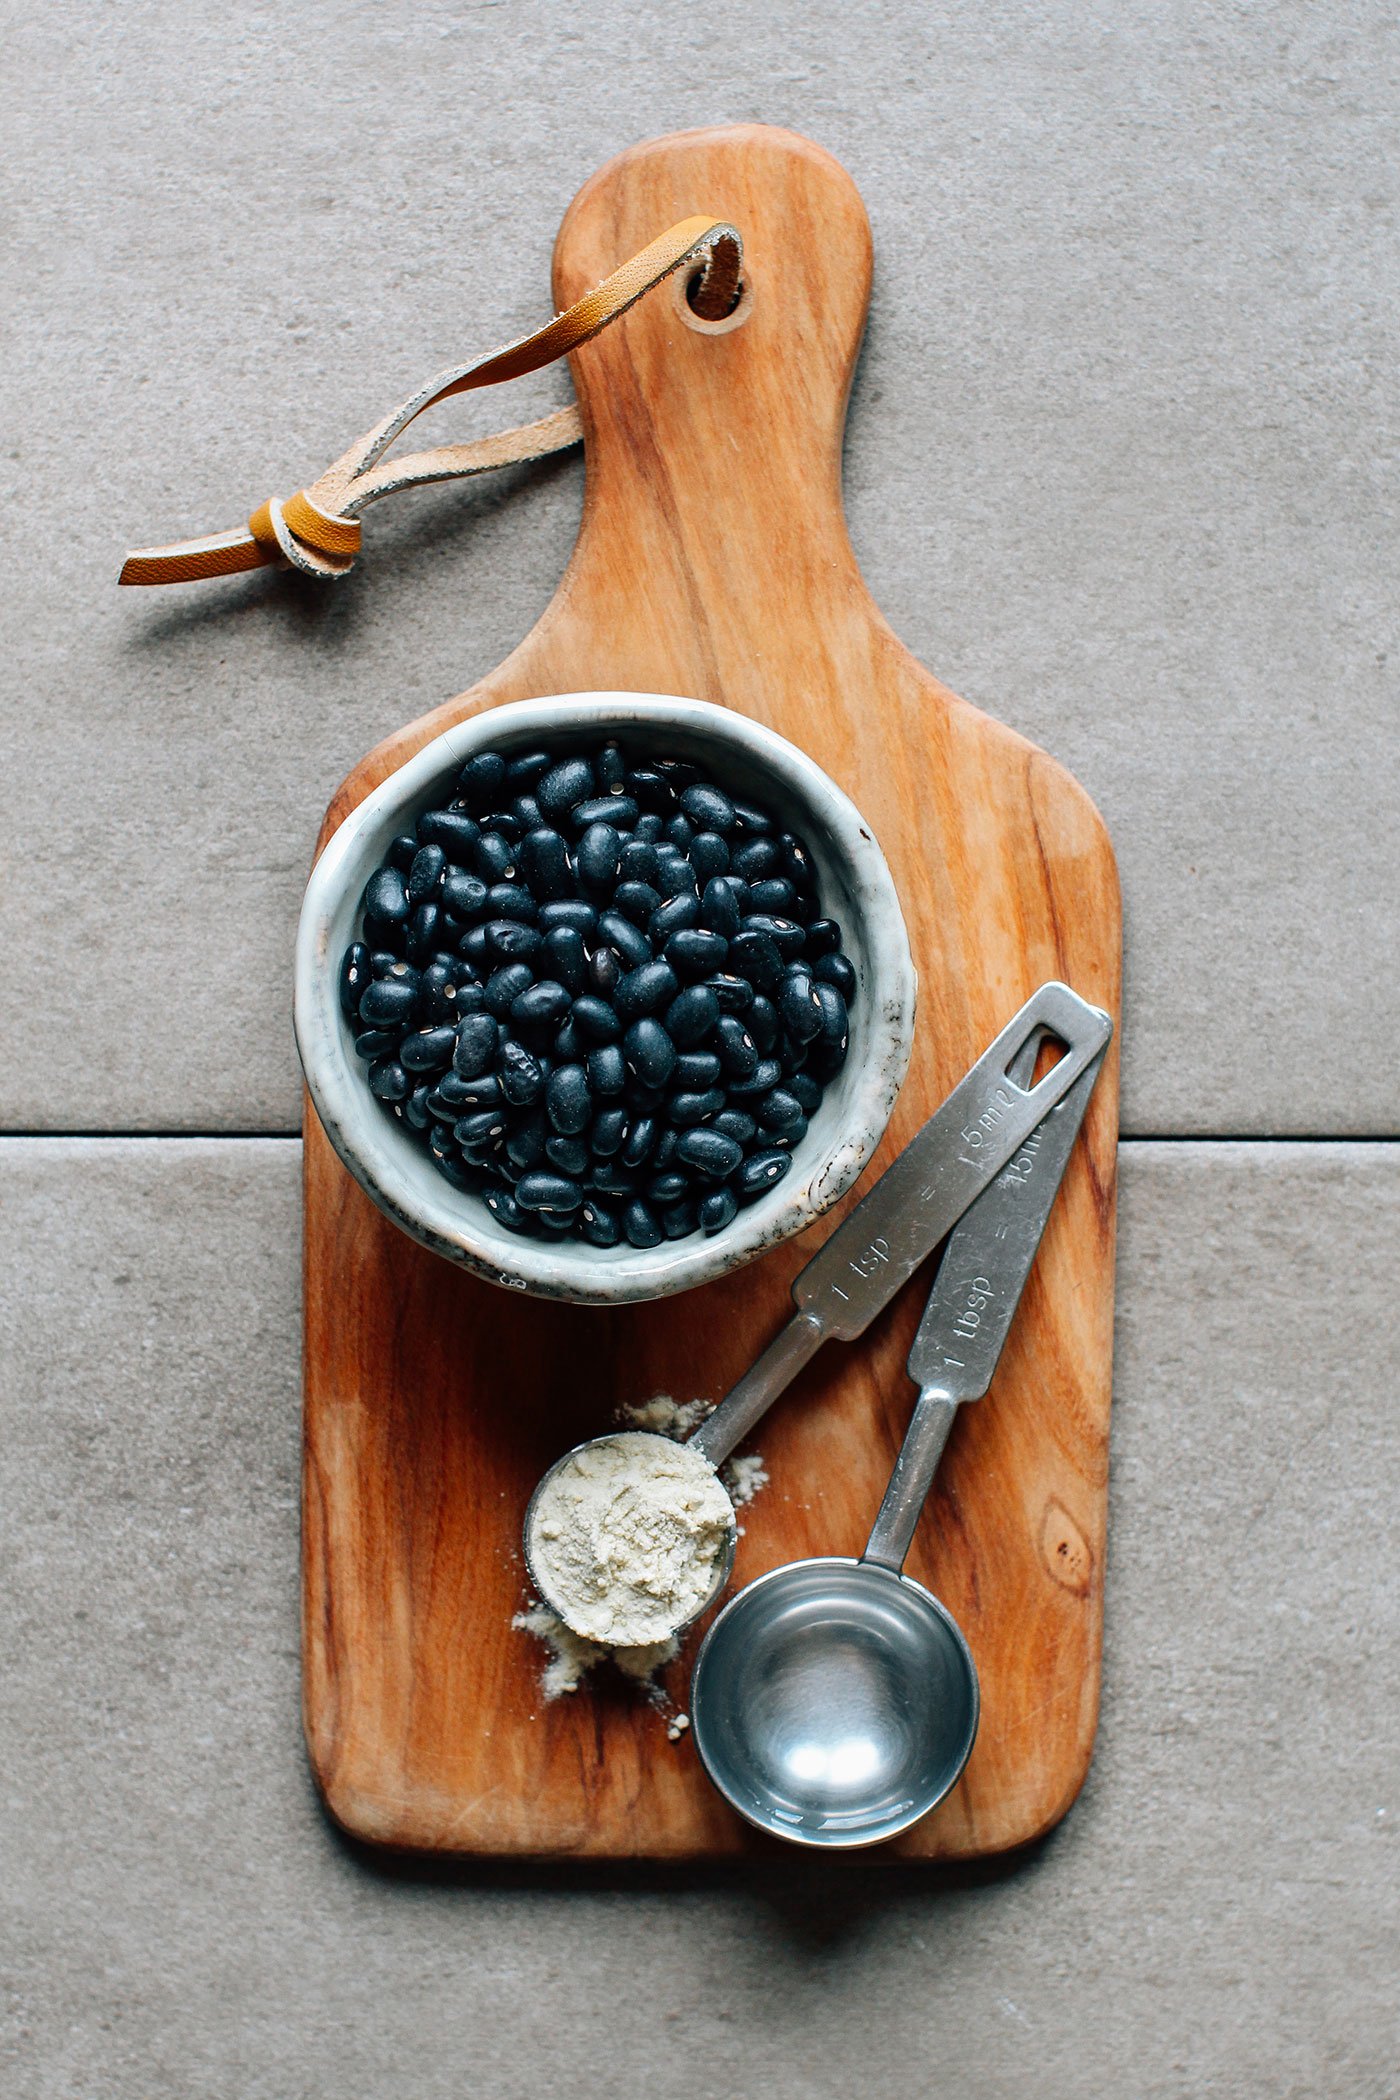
(914, 1204)
(835, 1702)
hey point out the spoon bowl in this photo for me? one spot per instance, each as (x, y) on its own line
(834, 1703)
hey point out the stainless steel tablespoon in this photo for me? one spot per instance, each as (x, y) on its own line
(835, 1702)
(985, 1122)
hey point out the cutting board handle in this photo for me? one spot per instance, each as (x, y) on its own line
(714, 448)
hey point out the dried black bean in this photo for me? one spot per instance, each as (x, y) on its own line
(718, 909)
(837, 970)
(835, 1021)
(475, 1132)
(611, 768)
(449, 1165)
(787, 936)
(774, 894)
(388, 1080)
(636, 901)
(798, 1008)
(375, 1042)
(607, 1070)
(493, 857)
(482, 1092)
(763, 1023)
(528, 815)
(619, 811)
(415, 1109)
(709, 855)
(429, 1050)
(504, 1208)
(596, 1019)
(564, 785)
(524, 770)
(791, 1135)
(608, 1131)
(504, 986)
(481, 781)
(599, 852)
(401, 852)
(675, 916)
(755, 956)
(717, 1210)
(734, 994)
(426, 872)
(649, 1052)
(511, 900)
(464, 896)
(453, 830)
(522, 1081)
(354, 979)
(641, 1137)
(543, 1191)
(474, 949)
(823, 937)
(568, 1154)
(386, 898)
(526, 1141)
(805, 1089)
(568, 1102)
(762, 1170)
(640, 1225)
(798, 861)
(668, 1188)
(691, 1015)
(679, 832)
(650, 829)
(540, 1005)
(630, 942)
(679, 1220)
(685, 1109)
(605, 971)
(597, 1224)
(512, 941)
(708, 808)
(696, 1071)
(709, 1152)
(638, 862)
(573, 912)
(778, 1109)
(738, 1052)
(735, 1124)
(564, 954)
(645, 989)
(750, 820)
(761, 1081)
(651, 789)
(755, 859)
(610, 1179)
(389, 1002)
(424, 929)
(676, 878)
(694, 953)
(568, 1046)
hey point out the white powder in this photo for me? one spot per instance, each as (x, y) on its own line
(571, 1657)
(627, 1537)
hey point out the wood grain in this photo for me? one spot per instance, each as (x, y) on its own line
(713, 560)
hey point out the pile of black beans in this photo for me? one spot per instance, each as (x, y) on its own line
(601, 993)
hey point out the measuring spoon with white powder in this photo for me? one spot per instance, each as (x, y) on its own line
(631, 1536)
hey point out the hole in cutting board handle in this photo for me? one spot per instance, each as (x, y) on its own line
(721, 325)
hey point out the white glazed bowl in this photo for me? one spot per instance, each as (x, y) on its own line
(855, 888)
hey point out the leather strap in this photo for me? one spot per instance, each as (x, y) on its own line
(318, 529)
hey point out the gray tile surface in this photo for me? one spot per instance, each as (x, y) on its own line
(1121, 468)
(1218, 1915)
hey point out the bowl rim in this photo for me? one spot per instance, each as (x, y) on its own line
(366, 1140)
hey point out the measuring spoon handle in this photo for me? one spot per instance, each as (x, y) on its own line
(972, 1305)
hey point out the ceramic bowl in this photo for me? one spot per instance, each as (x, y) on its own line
(855, 887)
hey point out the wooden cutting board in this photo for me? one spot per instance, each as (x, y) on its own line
(713, 561)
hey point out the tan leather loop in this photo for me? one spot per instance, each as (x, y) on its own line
(318, 529)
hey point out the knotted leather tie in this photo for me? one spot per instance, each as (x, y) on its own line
(318, 529)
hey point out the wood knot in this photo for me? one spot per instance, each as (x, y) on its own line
(1065, 1550)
